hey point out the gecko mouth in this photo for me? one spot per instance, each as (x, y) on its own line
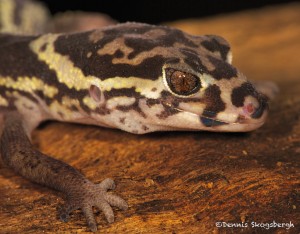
(242, 123)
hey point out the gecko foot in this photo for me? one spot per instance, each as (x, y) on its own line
(89, 195)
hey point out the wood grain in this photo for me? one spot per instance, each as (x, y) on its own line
(184, 182)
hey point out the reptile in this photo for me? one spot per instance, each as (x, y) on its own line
(135, 77)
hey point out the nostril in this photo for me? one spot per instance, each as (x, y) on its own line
(248, 109)
(247, 112)
(253, 107)
(252, 111)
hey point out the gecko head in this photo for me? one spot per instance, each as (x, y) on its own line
(154, 78)
(204, 86)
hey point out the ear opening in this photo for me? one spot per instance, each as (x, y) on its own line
(95, 93)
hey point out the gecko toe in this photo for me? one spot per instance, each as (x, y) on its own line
(116, 201)
(90, 219)
(107, 210)
(107, 184)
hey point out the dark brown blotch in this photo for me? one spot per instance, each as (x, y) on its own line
(152, 101)
(102, 110)
(170, 104)
(223, 70)
(214, 45)
(239, 94)
(192, 58)
(167, 112)
(119, 54)
(214, 103)
(170, 37)
(135, 106)
(126, 92)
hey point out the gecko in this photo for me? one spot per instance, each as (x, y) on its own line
(136, 77)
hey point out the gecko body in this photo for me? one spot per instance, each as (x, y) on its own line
(136, 77)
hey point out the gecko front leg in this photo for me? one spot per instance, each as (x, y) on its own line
(18, 153)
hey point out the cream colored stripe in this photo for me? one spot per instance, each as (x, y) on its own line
(29, 84)
(66, 72)
(73, 77)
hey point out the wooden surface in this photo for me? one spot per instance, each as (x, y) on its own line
(185, 182)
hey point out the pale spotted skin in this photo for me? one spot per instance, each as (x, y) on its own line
(135, 77)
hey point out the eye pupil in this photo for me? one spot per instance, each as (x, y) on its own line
(182, 83)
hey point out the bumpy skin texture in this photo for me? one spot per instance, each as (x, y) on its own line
(136, 77)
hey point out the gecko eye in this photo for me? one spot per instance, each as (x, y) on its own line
(182, 83)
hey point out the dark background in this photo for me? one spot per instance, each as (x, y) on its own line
(153, 11)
